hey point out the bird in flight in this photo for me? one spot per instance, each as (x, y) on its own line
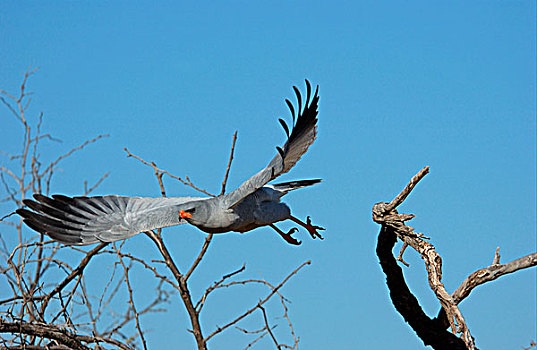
(87, 220)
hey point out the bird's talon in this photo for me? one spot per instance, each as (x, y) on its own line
(289, 239)
(313, 232)
(312, 229)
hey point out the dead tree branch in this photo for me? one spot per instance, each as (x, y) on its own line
(485, 275)
(431, 331)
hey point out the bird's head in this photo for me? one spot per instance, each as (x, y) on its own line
(195, 215)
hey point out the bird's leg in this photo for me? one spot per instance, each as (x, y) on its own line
(287, 236)
(308, 226)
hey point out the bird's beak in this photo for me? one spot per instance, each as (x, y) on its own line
(184, 214)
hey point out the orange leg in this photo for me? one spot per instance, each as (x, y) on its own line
(308, 226)
(287, 236)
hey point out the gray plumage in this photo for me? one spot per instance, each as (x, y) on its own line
(87, 220)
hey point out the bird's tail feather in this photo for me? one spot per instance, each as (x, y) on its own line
(293, 185)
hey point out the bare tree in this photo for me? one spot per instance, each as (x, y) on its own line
(46, 302)
(432, 331)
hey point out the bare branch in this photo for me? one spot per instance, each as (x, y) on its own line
(406, 191)
(260, 303)
(74, 149)
(191, 184)
(29, 260)
(204, 248)
(406, 303)
(146, 266)
(430, 331)
(183, 289)
(209, 238)
(393, 222)
(186, 182)
(215, 285)
(497, 257)
(401, 252)
(485, 275)
(76, 272)
(43, 330)
(49, 169)
(131, 298)
(491, 273)
(60, 334)
(229, 163)
(92, 188)
(268, 327)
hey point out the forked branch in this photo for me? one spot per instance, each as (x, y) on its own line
(431, 331)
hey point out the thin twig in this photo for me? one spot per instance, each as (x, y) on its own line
(92, 188)
(496, 260)
(229, 163)
(401, 252)
(215, 285)
(186, 182)
(76, 272)
(204, 248)
(261, 302)
(268, 327)
(131, 297)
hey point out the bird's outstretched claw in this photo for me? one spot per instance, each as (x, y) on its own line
(287, 236)
(289, 239)
(312, 229)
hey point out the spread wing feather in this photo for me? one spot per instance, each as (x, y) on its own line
(304, 132)
(87, 220)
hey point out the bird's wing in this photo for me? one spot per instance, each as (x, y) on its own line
(87, 220)
(302, 135)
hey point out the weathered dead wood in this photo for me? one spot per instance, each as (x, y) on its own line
(406, 303)
(431, 331)
(484, 275)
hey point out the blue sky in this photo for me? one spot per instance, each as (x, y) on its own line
(402, 85)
